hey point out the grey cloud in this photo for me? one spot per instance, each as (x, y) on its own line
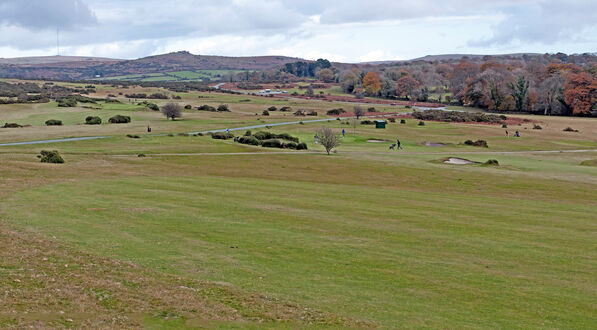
(544, 22)
(44, 14)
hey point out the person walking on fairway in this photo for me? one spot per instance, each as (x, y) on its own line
(398, 145)
(316, 138)
(343, 133)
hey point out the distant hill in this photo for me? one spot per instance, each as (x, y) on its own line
(53, 59)
(87, 68)
(456, 57)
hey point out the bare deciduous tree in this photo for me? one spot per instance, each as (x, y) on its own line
(328, 139)
(172, 110)
(358, 111)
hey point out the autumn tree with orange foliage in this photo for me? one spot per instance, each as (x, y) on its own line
(406, 85)
(580, 93)
(371, 83)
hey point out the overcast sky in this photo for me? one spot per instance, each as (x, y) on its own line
(339, 30)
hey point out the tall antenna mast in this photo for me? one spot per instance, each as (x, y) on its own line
(57, 41)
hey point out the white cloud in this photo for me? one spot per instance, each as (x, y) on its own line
(340, 30)
(379, 55)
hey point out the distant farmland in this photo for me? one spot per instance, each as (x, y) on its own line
(197, 75)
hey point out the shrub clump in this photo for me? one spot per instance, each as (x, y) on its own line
(53, 122)
(119, 119)
(11, 125)
(222, 136)
(67, 102)
(223, 108)
(50, 156)
(312, 113)
(132, 136)
(492, 162)
(458, 116)
(265, 113)
(402, 121)
(535, 126)
(261, 135)
(272, 108)
(149, 105)
(478, 143)
(92, 120)
(301, 146)
(570, 129)
(273, 143)
(335, 112)
(206, 107)
(250, 140)
(285, 109)
(367, 122)
(421, 123)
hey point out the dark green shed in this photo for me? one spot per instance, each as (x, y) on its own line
(380, 124)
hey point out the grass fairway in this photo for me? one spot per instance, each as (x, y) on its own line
(248, 238)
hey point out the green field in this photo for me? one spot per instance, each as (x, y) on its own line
(212, 233)
(197, 75)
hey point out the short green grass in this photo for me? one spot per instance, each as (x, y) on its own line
(395, 238)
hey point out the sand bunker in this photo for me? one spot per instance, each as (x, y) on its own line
(458, 161)
(378, 141)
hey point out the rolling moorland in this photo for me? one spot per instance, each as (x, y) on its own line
(185, 228)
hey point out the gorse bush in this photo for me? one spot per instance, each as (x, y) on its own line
(273, 143)
(206, 107)
(265, 113)
(285, 109)
(402, 121)
(149, 105)
(272, 108)
(335, 112)
(67, 102)
(570, 129)
(251, 140)
(421, 123)
(457, 116)
(367, 122)
(261, 135)
(492, 162)
(223, 108)
(47, 156)
(11, 125)
(53, 122)
(119, 119)
(478, 143)
(535, 126)
(222, 136)
(92, 120)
